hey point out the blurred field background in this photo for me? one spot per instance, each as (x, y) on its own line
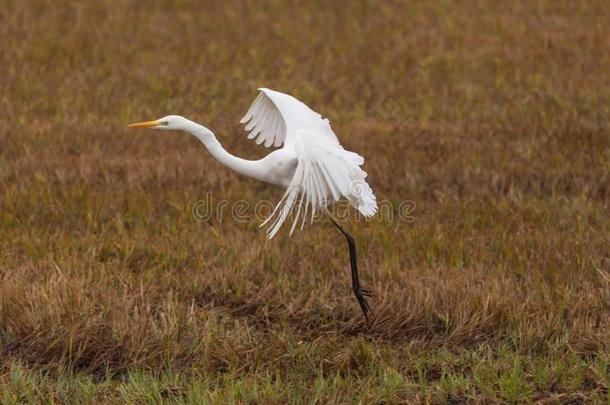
(491, 117)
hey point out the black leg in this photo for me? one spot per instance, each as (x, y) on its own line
(360, 292)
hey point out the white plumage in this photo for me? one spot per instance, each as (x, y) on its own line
(325, 172)
(311, 163)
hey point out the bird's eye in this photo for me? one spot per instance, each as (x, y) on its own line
(165, 123)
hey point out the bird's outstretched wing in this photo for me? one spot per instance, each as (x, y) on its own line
(325, 173)
(274, 117)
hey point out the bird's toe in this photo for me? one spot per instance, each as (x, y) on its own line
(364, 305)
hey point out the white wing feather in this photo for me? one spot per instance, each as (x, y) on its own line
(325, 171)
(273, 117)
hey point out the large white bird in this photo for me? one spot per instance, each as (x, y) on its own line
(311, 164)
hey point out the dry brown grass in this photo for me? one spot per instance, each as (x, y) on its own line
(491, 117)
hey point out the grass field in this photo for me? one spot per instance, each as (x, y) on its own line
(489, 118)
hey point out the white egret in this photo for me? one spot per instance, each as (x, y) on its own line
(313, 167)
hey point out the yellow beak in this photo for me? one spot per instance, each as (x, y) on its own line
(145, 124)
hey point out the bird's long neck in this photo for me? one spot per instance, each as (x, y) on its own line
(250, 168)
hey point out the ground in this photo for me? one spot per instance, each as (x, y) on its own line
(484, 126)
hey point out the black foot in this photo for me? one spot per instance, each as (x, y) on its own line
(361, 293)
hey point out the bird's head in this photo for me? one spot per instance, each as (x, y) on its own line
(169, 122)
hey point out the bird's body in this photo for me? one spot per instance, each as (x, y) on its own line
(279, 166)
(311, 164)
